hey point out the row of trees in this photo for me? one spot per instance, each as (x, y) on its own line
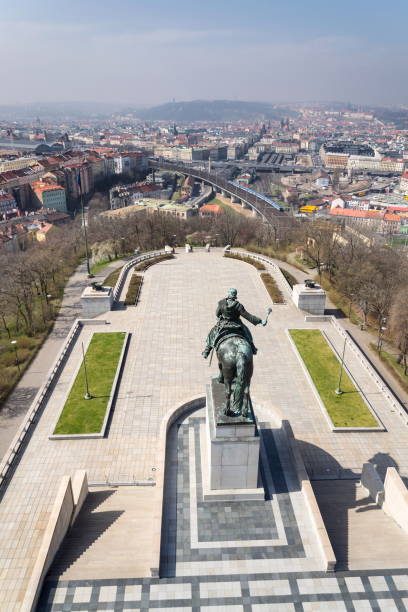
(373, 277)
(33, 279)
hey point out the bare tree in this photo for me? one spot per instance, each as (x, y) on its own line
(398, 325)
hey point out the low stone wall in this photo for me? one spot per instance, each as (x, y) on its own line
(267, 260)
(123, 274)
(57, 527)
(396, 498)
(170, 417)
(326, 549)
(79, 492)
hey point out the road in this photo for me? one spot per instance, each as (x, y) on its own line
(13, 410)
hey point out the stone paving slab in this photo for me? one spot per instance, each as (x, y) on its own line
(164, 369)
(301, 592)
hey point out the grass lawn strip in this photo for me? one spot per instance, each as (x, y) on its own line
(345, 410)
(81, 416)
(112, 278)
(132, 293)
(272, 288)
(250, 260)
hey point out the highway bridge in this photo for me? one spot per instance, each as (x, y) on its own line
(261, 206)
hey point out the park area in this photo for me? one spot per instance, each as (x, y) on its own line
(347, 409)
(86, 416)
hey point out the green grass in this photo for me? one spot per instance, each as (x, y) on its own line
(345, 410)
(81, 416)
(111, 279)
(272, 288)
(133, 290)
(289, 277)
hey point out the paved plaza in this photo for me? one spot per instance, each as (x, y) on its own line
(266, 564)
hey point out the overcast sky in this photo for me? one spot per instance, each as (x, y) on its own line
(151, 51)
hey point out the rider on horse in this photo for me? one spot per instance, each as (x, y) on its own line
(229, 311)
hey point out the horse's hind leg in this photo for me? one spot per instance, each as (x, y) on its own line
(245, 402)
(221, 374)
(228, 391)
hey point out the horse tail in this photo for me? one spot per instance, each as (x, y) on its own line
(240, 382)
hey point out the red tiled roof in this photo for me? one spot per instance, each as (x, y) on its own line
(365, 214)
(214, 208)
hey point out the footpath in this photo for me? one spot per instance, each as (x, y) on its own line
(13, 410)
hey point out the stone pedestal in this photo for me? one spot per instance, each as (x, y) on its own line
(232, 453)
(96, 302)
(309, 299)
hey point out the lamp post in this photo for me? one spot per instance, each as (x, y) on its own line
(14, 343)
(87, 395)
(338, 391)
(380, 334)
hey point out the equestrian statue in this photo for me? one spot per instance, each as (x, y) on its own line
(232, 341)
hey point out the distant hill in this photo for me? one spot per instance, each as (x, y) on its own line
(216, 110)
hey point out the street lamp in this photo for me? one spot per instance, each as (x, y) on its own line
(14, 343)
(380, 334)
(87, 395)
(338, 391)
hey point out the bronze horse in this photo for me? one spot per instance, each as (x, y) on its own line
(235, 359)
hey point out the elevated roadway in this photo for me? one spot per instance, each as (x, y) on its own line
(261, 206)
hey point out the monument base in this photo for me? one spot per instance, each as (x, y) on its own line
(95, 302)
(311, 300)
(231, 467)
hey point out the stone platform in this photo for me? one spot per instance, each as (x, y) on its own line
(96, 302)
(231, 461)
(309, 299)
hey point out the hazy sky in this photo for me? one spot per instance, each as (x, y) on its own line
(151, 51)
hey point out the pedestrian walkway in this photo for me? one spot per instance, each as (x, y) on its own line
(164, 370)
(17, 404)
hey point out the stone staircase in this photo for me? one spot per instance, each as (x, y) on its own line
(110, 538)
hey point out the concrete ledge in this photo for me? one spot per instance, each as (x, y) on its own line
(101, 433)
(372, 482)
(55, 531)
(396, 498)
(273, 265)
(317, 318)
(326, 549)
(79, 492)
(189, 404)
(125, 269)
(319, 399)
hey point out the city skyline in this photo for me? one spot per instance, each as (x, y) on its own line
(147, 55)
